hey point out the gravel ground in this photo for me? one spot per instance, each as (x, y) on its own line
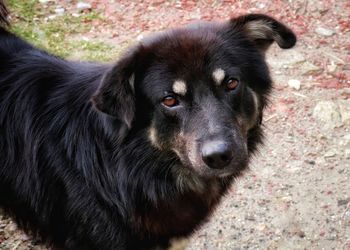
(297, 193)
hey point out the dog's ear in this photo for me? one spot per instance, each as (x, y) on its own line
(263, 30)
(116, 96)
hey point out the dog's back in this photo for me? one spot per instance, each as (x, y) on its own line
(45, 108)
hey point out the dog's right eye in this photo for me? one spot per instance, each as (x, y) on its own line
(170, 101)
(232, 84)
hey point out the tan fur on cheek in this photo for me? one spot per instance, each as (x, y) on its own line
(246, 123)
(178, 244)
(186, 178)
(152, 136)
(257, 108)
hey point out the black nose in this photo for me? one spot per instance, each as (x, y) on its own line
(217, 154)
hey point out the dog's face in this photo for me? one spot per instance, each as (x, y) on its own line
(198, 91)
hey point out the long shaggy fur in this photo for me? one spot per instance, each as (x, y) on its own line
(76, 162)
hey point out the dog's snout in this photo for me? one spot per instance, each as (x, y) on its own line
(217, 154)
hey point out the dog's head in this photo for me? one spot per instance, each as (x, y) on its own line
(198, 91)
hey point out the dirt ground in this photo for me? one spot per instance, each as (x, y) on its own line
(297, 193)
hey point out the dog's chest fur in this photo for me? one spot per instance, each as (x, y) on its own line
(181, 215)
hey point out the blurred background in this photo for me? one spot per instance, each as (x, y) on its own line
(297, 194)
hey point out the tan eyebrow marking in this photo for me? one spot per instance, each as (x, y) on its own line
(218, 75)
(179, 87)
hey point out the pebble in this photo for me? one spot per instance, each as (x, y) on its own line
(343, 202)
(81, 6)
(331, 68)
(330, 153)
(139, 37)
(324, 32)
(51, 17)
(327, 111)
(295, 84)
(60, 11)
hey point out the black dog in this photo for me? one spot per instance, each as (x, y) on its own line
(134, 154)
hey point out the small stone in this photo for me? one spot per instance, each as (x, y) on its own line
(331, 68)
(330, 153)
(81, 6)
(250, 217)
(44, 1)
(286, 198)
(324, 32)
(311, 162)
(260, 5)
(139, 37)
(60, 11)
(261, 227)
(327, 111)
(51, 17)
(295, 84)
(343, 202)
(300, 233)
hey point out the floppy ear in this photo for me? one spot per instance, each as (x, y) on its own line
(115, 96)
(264, 30)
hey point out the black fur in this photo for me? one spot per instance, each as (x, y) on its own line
(77, 164)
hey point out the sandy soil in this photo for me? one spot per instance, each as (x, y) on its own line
(297, 194)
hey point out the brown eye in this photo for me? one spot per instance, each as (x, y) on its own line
(232, 84)
(170, 101)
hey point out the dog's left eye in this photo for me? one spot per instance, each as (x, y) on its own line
(232, 84)
(170, 101)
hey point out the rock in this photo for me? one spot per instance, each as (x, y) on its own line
(331, 68)
(81, 6)
(324, 32)
(328, 112)
(260, 5)
(51, 17)
(293, 83)
(329, 154)
(139, 37)
(250, 217)
(60, 11)
(44, 1)
(343, 202)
